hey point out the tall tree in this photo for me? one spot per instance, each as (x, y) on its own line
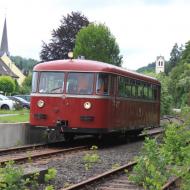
(185, 58)
(63, 38)
(175, 56)
(97, 43)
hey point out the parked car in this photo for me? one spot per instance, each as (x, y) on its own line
(6, 103)
(22, 102)
(24, 96)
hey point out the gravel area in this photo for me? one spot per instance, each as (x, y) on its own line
(71, 168)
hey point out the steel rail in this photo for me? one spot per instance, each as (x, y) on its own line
(92, 180)
(41, 154)
(21, 148)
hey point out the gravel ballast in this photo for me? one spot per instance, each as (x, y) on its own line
(71, 168)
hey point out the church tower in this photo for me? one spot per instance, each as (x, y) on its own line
(4, 42)
(160, 64)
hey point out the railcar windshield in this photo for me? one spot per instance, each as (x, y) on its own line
(80, 83)
(51, 82)
(34, 81)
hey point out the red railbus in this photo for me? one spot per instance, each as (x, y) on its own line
(90, 97)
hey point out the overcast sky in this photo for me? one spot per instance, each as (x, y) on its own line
(143, 29)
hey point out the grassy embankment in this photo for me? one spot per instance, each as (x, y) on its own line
(15, 116)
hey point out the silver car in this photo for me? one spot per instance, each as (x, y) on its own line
(6, 103)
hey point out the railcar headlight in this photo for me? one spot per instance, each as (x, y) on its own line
(40, 103)
(87, 105)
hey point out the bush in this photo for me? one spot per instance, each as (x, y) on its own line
(7, 84)
(11, 178)
(158, 162)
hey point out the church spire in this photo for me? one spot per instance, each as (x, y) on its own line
(4, 42)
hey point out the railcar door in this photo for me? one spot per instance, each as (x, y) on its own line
(117, 102)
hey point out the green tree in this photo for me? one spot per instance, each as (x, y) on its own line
(146, 69)
(166, 98)
(27, 85)
(185, 58)
(63, 38)
(26, 65)
(175, 56)
(7, 84)
(96, 42)
(179, 84)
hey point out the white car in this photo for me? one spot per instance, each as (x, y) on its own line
(6, 103)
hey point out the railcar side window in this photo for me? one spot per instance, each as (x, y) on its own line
(145, 91)
(122, 87)
(51, 82)
(34, 81)
(155, 91)
(133, 89)
(128, 87)
(102, 84)
(80, 83)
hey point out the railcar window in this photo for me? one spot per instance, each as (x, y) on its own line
(122, 87)
(145, 91)
(150, 95)
(102, 84)
(51, 82)
(128, 87)
(133, 89)
(80, 83)
(155, 92)
(34, 81)
(140, 90)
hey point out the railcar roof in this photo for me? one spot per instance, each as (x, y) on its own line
(90, 66)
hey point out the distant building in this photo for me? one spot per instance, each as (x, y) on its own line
(7, 67)
(160, 64)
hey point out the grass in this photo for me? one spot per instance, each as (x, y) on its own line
(21, 116)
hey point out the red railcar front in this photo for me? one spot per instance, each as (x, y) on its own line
(73, 102)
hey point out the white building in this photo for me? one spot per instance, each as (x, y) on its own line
(160, 64)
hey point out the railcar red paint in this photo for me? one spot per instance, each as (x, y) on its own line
(129, 101)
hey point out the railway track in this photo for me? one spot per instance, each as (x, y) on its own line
(37, 153)
(31, 152)
(98, 182)
(21, 148)
(115, 179)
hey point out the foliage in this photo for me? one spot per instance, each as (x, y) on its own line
(185, 57)
(7, 84)
(175, 56)
(11, 177)
(63, 38)
(150, 170)
(26, 86)
(91, 158)
(166, 98)
(24, 64)
(149, 68)
(52, 172)
(159, 162)
(96, 42)
(179, 84)
(115, 166)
